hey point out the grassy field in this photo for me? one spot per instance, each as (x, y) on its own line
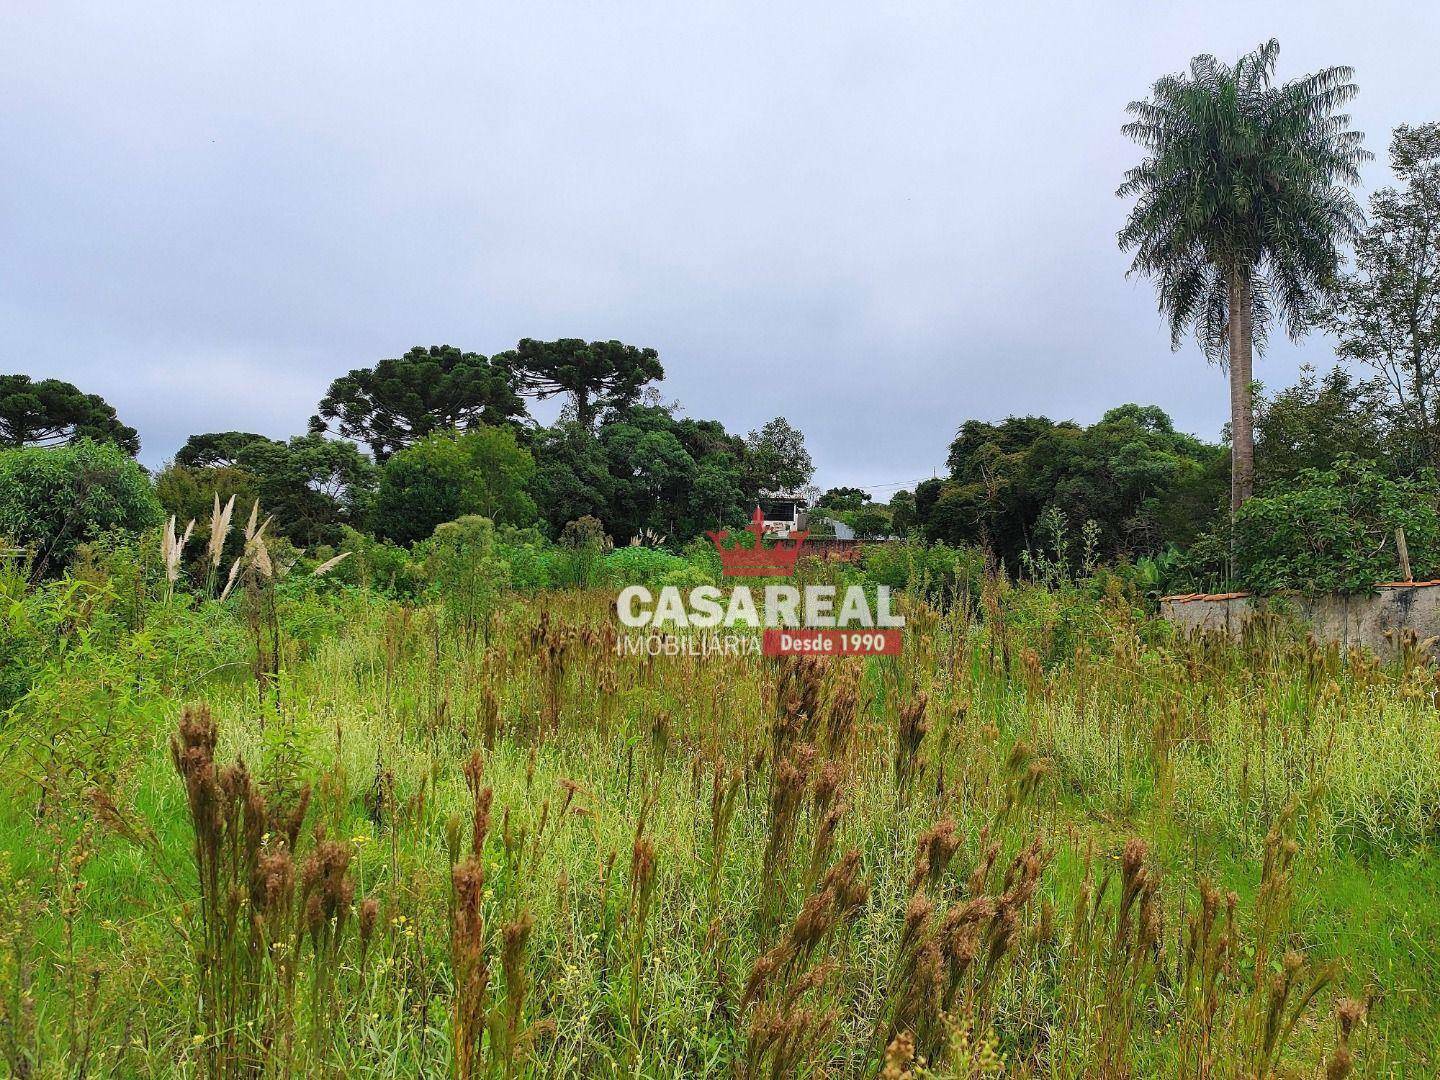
(1050, 839)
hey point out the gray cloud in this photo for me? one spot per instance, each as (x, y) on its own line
(875, 222)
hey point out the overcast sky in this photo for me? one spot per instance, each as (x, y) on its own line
(878, 220)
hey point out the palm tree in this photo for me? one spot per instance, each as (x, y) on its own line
(1241, 205)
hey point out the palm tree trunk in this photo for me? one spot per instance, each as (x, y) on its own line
(1242, 406)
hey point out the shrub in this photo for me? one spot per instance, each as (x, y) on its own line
(54, 499)
(467, 572)
(935, 571)
(1334, 531)
(578, 561)
(528, 555)
(451, 475)
(380, 565)
(645, 566)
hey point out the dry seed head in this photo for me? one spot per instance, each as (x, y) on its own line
(219, 529)
(934, 850)
(642, 863)
(828, 783)
(513, 938)
(330, 564)
(369, 915)
(898, 1057)
(274, 882)
(1349, 1013)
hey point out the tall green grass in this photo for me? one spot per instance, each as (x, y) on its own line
(1051, 838)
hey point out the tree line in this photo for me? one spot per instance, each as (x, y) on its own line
(414, 441)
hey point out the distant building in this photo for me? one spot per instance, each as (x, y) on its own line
(784, 516)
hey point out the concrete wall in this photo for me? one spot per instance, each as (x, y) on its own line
(1356, 619)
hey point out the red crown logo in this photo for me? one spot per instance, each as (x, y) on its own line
(758, 561)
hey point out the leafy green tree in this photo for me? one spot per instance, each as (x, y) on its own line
(1334, 530)
(1387, 313)
(54, 413)
(642, 469)
(400, 401)
(1240, 208)
(777, 461)
(843, 498)
(449, 475)
(716, 497)
(312, 485)
(572, 476)
(651, 470)
(1144, 484)
(52, 499)
(988, 499)
(595, 375)
(467, 571)
(220, 449)
(189, 492)
(902, 512)
(1319, 420)
(927, 494)
(870, 522)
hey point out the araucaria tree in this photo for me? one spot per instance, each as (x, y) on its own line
(594, 375)
(400, 401)
(55, 413)
(1240, 206)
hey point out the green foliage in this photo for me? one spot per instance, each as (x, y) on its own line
(572, 476)
(843, 498)
(1334, 531)
(777, 460)
(1144, 484)
(1320, 420)
(666, 476)
(870, 523)
(54, 499)
(381, 565)
(450, 475)
(189, 492)
(644, 470)
(903, 514)
(652, 567)
(1387, 311)
(312, 485)
(578, 560)
(526, 553)
(399, 401)
(51, 412)
(218, 449)
(935, 571)
(467, 573)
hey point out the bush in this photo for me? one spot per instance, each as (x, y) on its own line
(935, 571)
(54, 499)
(467, 573)
(380, 565)
(1334, 531)
(528, 555)
(451, 475)
(646, 566)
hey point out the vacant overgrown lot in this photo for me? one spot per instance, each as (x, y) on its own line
(313, 831)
